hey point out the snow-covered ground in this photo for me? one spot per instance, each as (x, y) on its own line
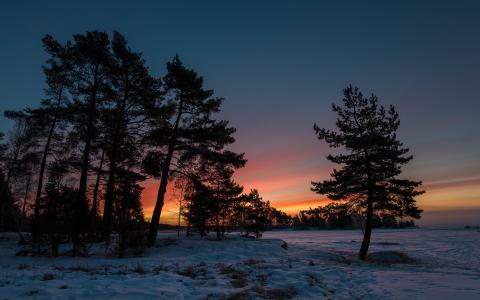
(443, 264)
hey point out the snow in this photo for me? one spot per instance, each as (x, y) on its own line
(404, 264)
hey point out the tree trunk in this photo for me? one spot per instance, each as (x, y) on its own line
(109, 197)
(109, 193)
(97, 186)
(217, 218)
(82, 189)
(12, 167)
(223, 226)
(122, 232)
(368, 223)
(27, 191)
(368, 230)
(54, 240)
(179, 214)
(152, 233)
(3, 199)
(217, 213)
(7, 189)
(43, 165)
(94, 211)
(217, 226)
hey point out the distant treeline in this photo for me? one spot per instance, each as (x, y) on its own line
(340, 216)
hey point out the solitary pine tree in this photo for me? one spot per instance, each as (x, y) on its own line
(372, 160)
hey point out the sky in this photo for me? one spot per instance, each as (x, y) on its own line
(280, 65)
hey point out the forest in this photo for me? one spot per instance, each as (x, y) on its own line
(72, 167)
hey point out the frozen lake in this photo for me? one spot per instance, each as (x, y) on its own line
(448, 268)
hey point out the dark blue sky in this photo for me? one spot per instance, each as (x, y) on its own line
(280, 64)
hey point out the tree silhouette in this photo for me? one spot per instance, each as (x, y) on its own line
(18, 152)
(199, 198)
(189, 133)
(56, 208)
(129, 213)
(134, 92)
(53, 109)
(213, 192)
(255, 213)
(373, 159)
(91, 88)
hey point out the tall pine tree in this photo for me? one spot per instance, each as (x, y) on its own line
(53, 109)
(134, 92)
(371, 163)
(91, 88)
(189, 133)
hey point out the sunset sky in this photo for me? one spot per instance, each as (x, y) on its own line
(279, 66)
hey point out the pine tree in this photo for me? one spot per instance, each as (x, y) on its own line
(213, 192)
(129, 213)
(255, 213)
(134, 92)
(96, 192)
(225, 190)
(189, 133)
(373, 159)
(90, 89)
(55, 208)
(279, 218)
(199, 208)
(53, 110)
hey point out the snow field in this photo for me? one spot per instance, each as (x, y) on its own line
(439, 264)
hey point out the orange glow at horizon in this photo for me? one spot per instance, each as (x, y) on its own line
(287, 187)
